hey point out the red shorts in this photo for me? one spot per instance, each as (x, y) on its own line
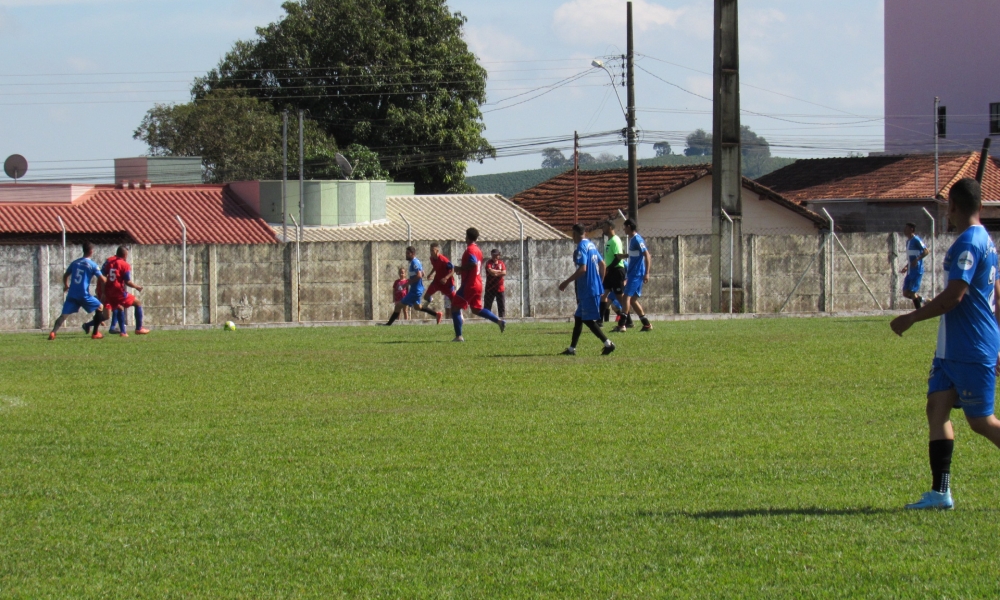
(447, 289)
(117, 303)
(468, 298)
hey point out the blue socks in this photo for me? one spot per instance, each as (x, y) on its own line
(456, 318)
(486, 314)
(120, 317)
(138, 317)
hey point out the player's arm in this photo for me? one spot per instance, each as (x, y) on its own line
(648, 259)
(128, 282)
(66, 276)
(602, 268)
(944, 302)
(416, 278)
(581, 270)
(501, 272)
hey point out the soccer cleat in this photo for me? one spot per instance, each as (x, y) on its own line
(142, 331)
(123, 334)
(619, 329)
(52, 335)
(629, 323)
(646, 328)
(608, 350)
(933, 499)
(439, 315)
(503, 325)
(97, 336)
(112, 331)
(86, 328)
(568, 352)
(458, 339)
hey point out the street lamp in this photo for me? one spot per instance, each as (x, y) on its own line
(600, 65)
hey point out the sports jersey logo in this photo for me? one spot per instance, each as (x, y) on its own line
(965, 260)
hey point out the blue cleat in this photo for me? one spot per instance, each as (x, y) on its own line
(932, 499)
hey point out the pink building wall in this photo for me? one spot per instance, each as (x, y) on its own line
(944, 48)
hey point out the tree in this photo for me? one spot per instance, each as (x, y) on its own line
(553, 158)
(662, 148)
(394, 76)
(238, 137)
(607, 157)
(699, 143)
(323, 164)
(753, 144)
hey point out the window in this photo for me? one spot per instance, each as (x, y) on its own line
(942, 122)
(995, 118)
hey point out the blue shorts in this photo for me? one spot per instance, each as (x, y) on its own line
(633, 287)
(412, 297)
(975, 384)
(911, 283)
(88, 304)
(589, 308)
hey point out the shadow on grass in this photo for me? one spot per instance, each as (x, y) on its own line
(771, 512)
(519, 355)
(421, 342)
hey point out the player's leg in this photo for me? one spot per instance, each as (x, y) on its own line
(646, 326)
(988, 427)
(589, 311)
(425, 309)
(457, 321)
(100, 315)
(139, 329)
(395, 312)
(941, 398)
(577, 330)
(501, 306)
(626, 302)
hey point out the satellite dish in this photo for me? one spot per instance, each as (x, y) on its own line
(344, 164)
(15, 166)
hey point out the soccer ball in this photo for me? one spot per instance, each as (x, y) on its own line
(230, 326)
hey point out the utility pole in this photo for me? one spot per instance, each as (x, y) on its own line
(576, 178)
(302, 185)
(630, 135)
(937, 164)
(284, 175)
(727, 179)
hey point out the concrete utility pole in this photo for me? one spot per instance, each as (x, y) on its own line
(727, 180)
(576, 177)
(633, 168)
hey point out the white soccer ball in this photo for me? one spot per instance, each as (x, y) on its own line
(230, 326)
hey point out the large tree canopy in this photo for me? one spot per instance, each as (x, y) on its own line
(394, 76)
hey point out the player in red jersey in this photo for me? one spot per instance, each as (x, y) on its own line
(115, 294)
(442, 277)
(471, 293)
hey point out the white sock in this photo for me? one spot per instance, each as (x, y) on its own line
(607, 343)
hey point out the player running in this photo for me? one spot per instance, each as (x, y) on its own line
(638, 274)
(471, 293)
(916, 251)
(81, 271)
(589, 276)
(115, 294)
(412, 297)
(963, 374)
(442, 276)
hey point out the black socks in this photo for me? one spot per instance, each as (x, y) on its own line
(577, 330)
(940, 455)
(918, 302)
(596, 328)
(393, 318)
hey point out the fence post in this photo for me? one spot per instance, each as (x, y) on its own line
(43, 286)
(678, 275)
(213, 284)
(529, 271)
(893, 272)
(824, 274)
(750, 277)
(373, 268)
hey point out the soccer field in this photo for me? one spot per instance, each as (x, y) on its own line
(715, 459)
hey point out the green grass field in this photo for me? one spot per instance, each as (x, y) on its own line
(740, 459)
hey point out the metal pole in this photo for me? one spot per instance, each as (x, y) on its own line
(408, 229)
(937, 167)
(284, 176)
(298, 269)
(933, 252)
(830, 249)
(63, 226)
(984, 156)
(856, 270)
(633, 169)
(184, 271)
(732, 231)
(799, 282)
(521, 223)
(576, 177)
(302, 185)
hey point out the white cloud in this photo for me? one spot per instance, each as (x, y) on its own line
(604, 20)
(82, 65)
(36, 3)
(493, 45)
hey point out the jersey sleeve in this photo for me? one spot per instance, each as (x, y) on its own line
(964, 262)
(579, 258)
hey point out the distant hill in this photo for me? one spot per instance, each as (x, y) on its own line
(510, 184)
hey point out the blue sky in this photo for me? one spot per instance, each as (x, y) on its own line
(78, 75)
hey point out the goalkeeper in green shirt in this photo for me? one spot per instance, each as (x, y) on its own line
(614, 276)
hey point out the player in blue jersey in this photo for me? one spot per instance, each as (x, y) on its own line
(415, 272)
(637, 275)
(76, 286)
(916, 251)
(589, 280)
(963, 374)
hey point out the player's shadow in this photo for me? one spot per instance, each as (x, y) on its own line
(518, 355)
(771, 512)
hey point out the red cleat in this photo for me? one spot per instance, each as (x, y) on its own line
(52, 335)
(439, 315)
(97, 336)
(124, 334)
(142, 331)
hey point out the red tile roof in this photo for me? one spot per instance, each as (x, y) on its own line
(904, 177)
(603, 193)
(212, 214)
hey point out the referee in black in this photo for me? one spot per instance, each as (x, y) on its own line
(614, 276)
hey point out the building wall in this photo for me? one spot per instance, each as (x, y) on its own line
(944, 49)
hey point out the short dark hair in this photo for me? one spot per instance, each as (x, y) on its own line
(121, 252)
(911, 225)
(610, 223)
(87, 248)
(411, 249)
(495, 251)
(435, 245)
(630, 224)
(578, 228)
(472, 234)
(967, 196)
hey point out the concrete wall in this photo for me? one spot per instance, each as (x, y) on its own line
(351, 281)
